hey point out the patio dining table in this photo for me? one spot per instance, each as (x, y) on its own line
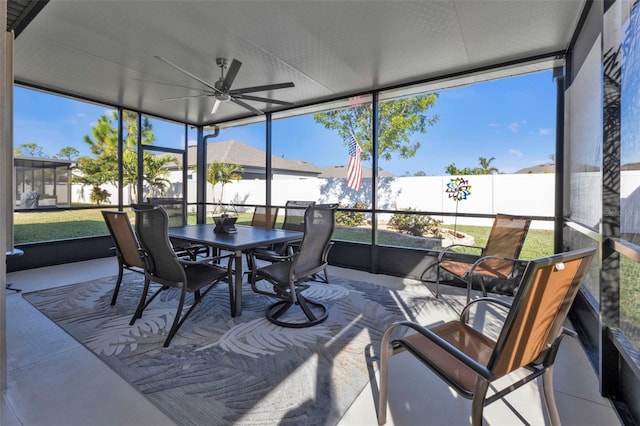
(245, 238)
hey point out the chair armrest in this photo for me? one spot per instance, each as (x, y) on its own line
(449, 249)
(485, 258)
(207, 260)
(448, 347)
(274, 258)
(464, 315)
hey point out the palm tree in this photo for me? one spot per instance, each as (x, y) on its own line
(155, 172)
(485, 166)
(223, 173)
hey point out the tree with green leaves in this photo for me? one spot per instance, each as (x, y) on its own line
(484, 169)
(155, 173)
(452, 170)
(29, 150)
(398, 120)
(223, 173)
(102, 166)
(67, 153)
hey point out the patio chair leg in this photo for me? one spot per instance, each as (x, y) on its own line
(141, 304)
(477, 406)
(385, 354)
(177, 321)
(117, 288)
(549, 397)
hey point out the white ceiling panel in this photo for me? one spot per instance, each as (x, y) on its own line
(105, 49)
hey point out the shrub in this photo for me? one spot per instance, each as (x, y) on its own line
(352, 219)
(99, 195)
(415, 224)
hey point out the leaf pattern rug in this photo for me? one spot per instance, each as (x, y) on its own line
(244, 370)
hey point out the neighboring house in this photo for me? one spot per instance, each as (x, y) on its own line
(42, 182)
(252, 160)
(539, 168)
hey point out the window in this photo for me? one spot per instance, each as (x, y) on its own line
(478, 148)
(55, 141)
(323, 154)
(236, 169)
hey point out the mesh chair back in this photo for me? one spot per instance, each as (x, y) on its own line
(175, 208)
(124, 238)
(319, 223)
(264, 217)
(505, 240)
(152, 229)
(294, 215)
(539, 309)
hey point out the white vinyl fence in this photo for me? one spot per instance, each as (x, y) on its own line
(526, 194)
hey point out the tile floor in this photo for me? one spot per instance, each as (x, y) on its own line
(53, 380)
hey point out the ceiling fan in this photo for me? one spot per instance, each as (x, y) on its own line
(221, 89)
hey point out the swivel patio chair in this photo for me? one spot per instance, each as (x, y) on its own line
(161, 265)
(470, 360)
(289, 273)
(498, 259)
(126, 246)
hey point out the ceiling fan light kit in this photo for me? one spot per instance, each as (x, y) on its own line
(221, 89)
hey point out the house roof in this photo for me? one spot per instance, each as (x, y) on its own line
(107, 51)
(252, 159)
(38, 162)
(539, 168)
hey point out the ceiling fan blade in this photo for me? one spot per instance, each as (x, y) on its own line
(247, 106)
(265, 100)
(261, 88)
(231, 74)
(216, 105)
(168, 62)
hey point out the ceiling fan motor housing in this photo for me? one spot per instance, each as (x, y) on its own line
(223, 94)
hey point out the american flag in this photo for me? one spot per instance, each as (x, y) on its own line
(354, 170)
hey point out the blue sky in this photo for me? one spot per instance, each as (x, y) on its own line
(512, 120)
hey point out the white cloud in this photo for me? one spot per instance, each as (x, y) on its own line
(514, 127)
(544, 132)
(494, 125)
(515, 152)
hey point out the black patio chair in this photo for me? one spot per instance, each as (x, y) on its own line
(161, 265)
(288, 274)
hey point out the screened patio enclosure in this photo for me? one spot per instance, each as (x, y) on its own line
(42, 183)
(589, 49)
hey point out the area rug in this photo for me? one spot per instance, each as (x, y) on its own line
(244, 370)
